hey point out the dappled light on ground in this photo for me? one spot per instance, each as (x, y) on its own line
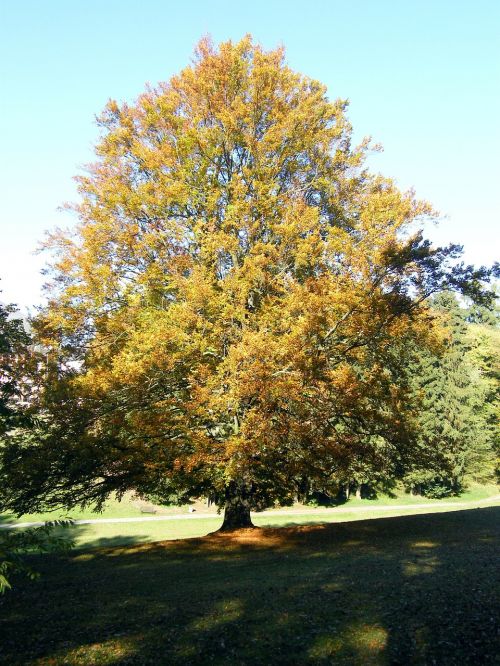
(113, 651)
(410, 590)
(368, 641)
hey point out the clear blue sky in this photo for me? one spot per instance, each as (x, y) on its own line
(423, 78)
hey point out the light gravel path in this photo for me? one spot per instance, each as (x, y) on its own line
(280, 512)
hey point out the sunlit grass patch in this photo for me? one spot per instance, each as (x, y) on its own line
(424, 544)
(223, 612)
(365, 643)
(423, 565)
(111, 651)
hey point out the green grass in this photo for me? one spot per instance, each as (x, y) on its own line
(113, 509)
(409, 590)
(105, 534)
(472, 493)
(128, 507)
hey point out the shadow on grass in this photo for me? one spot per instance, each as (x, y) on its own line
(408, 590)
(119, 541)
(301, 523)
(6, 519)
(85, 540)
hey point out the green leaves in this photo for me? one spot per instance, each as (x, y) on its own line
(16, 543)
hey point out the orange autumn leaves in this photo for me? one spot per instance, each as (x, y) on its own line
(231, 279)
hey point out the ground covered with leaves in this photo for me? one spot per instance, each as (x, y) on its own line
(408, 590)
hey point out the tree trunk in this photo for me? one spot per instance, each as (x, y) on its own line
(236, 508)
(358, 492)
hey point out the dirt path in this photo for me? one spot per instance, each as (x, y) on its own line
(279, 512)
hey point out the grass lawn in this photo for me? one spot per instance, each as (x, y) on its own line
(472, 493)
(127, 508)
(409, 590)
(109, 534)
(130, 506)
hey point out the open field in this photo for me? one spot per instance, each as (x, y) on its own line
(179, 524)
(98, 535)
(410, 590)
(130, 506)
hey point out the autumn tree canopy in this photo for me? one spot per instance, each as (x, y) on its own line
(234, 300)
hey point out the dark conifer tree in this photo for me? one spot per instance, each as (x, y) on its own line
(453, 428)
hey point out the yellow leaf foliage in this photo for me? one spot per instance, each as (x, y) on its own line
(239, 284)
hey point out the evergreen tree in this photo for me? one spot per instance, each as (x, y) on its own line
(14, 343)
(453, 428)
(483, 336)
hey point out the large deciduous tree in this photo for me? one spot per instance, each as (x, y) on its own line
(232, 299)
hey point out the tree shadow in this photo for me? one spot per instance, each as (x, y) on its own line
(79, 534)
(291, 523)
(6, 520)
(408, 590)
